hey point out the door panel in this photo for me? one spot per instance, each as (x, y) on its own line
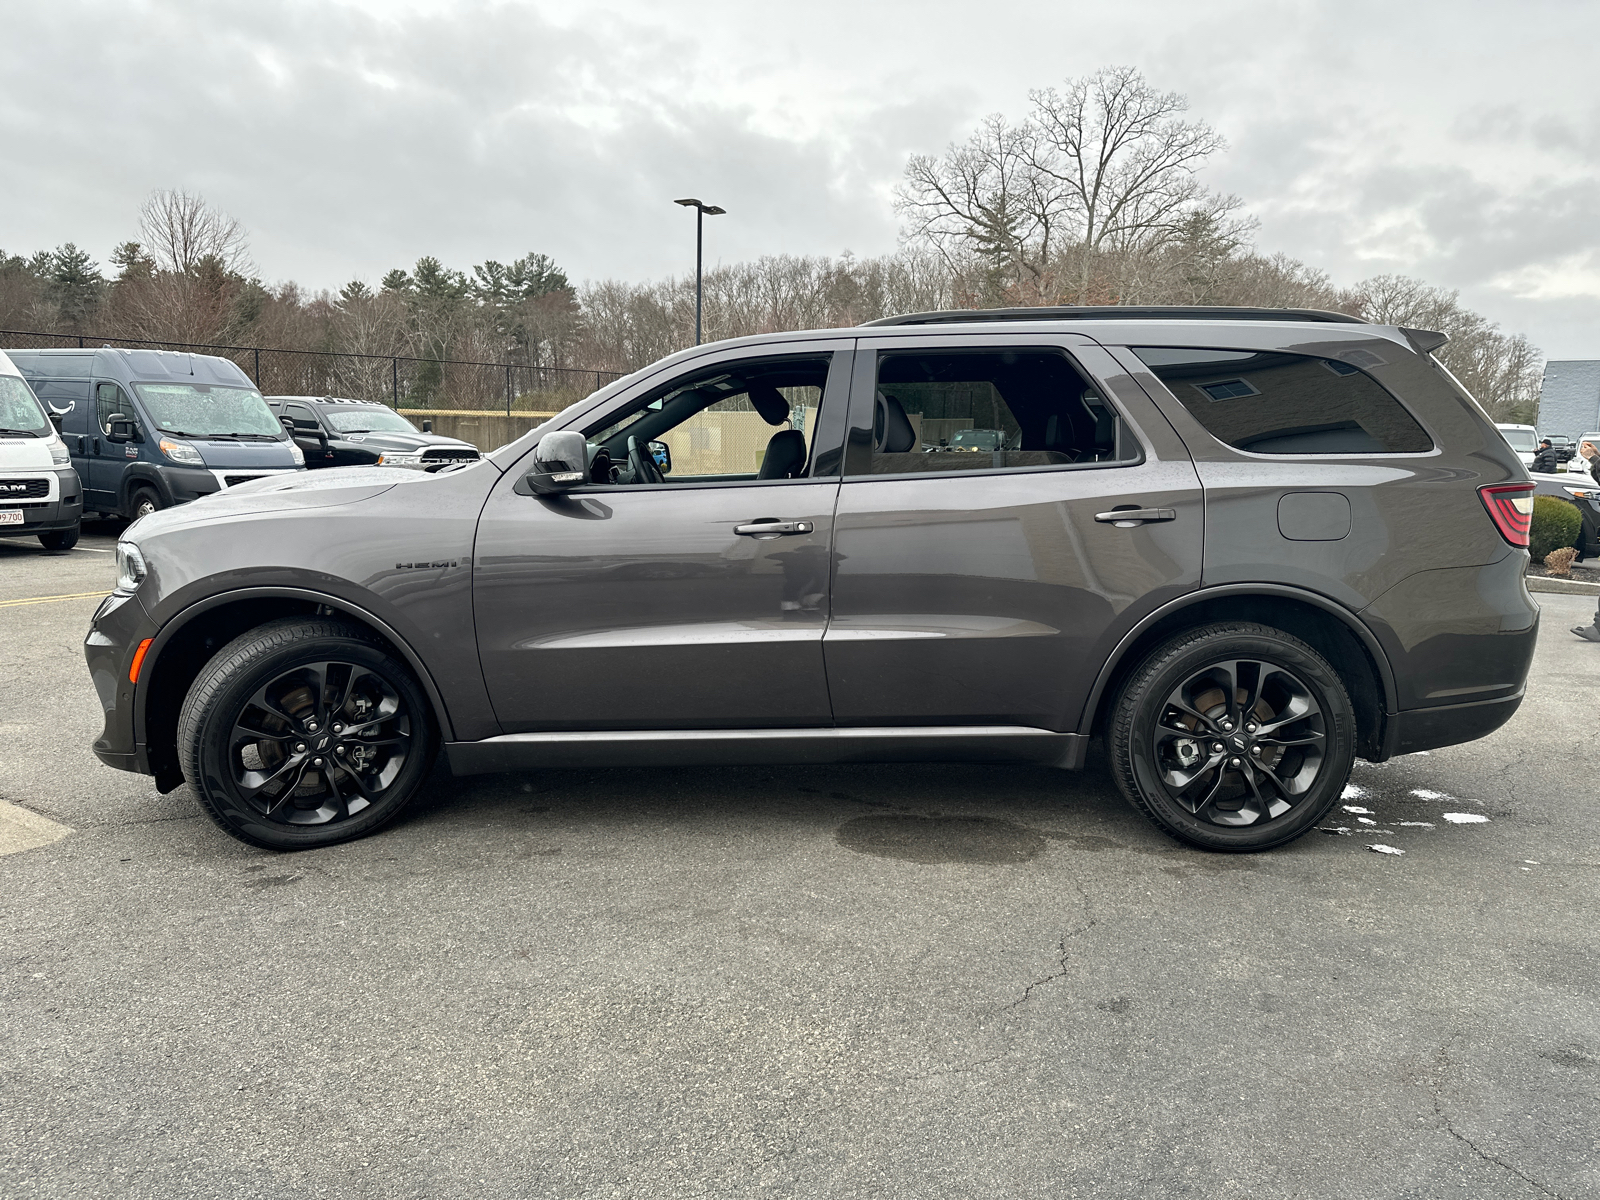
(108, 459)
(995, 597)
(643, 609)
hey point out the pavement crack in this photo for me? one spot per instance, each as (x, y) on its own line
(1493, 1159)
(1063, 956)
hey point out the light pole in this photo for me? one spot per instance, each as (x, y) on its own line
(701, 212)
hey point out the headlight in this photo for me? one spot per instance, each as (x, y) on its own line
(58, 453)
(296, 456)
(400, 460)
(131, 569)
(1582, 493)
(182, 452)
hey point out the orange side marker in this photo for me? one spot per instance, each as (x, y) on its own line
(138, 660)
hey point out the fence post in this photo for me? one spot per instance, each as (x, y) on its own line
(258, 368)
(508, 389)
(394, 374)
(598, 384)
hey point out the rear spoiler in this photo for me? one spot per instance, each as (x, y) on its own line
(1426, 340)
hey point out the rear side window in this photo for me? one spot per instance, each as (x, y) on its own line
(1271, 403)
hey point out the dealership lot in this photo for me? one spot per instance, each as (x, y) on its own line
(887, 981)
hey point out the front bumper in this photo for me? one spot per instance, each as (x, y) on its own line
(60, 508)
(119, 625)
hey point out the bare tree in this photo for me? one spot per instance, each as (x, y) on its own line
(180, 230)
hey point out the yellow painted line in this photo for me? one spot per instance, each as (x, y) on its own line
(49, 599)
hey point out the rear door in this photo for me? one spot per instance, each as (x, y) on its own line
(988, 585)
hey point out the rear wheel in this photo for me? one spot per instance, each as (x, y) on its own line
(59, 539)
(303, 733)
(1233, 737)
(143, 502)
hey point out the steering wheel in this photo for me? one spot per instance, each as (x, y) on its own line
(643, 463)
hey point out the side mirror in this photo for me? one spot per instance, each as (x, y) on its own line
(427, 427)
(288, 425)
(561, 461)
(122, 428)
(662, 453)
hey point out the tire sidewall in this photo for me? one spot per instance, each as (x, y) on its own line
(215, 725)
(1153, 687)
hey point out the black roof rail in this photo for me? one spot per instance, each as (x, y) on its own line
(1116, 312)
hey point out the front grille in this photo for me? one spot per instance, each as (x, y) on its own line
(236, 480)
(23, 489)
(14, 504)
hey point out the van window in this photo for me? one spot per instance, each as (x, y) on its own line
(209, 410)
(20, 413)
(108, 399)
(1271, 403)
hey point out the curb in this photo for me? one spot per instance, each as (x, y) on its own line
(1572, 587)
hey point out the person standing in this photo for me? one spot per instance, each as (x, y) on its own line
(1591, 454)
(1544, 461)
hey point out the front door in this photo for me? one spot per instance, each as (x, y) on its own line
(981, 575)
(108, 459)
(689, 592)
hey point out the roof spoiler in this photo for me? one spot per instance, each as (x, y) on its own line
(1426, 340)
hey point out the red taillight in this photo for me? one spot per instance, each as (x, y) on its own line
(1510, 506)
(144, 647)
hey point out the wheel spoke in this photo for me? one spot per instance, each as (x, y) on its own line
(1308, 738)
(298, 769)
(1270, 808)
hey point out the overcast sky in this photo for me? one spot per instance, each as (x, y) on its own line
(1458, 142)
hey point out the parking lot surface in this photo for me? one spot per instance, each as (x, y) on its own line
(886, 981)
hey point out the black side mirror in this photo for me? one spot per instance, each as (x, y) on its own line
(288, 425)
(427, 427)
(561, 461)
(662, 453)
(121, 428)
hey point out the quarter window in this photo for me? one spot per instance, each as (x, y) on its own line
(939, 410)
(1272, 403)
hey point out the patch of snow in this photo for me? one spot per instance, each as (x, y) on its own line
(1531, 862)
(1341, 830)
(1418, 824)
(1528, 869)
(1419, 754)
(1353, 791)
(1351, 808)
(1366, 820)
(1465, 818)
(1382, 849)
(1425, 794)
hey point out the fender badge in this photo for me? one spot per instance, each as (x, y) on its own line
(424, 566)
(130, 451)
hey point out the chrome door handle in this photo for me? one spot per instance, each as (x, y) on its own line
(1127, 518)
(772, 528)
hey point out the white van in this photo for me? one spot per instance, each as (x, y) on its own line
(39, 491)
(1524, 439)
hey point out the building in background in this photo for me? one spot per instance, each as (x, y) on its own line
(1569, 397)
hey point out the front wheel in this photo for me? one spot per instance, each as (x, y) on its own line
(143, 502)
(1233, 737)
(303, 733)
(59, 539)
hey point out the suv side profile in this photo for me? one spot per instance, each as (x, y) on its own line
(1241, 546)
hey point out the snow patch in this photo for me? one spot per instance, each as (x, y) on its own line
(1341, 830)
(1382, 849)
(1466, 818)
(1352, 808)
(1425, 794)
(1353, 791)
(1417, 824)
(1366, 820)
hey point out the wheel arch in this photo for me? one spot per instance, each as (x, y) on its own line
(1331, 629)
(180, 651)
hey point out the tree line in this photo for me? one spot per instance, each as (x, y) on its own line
(1095, 197)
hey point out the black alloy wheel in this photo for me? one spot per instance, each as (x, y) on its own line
(1233, 737)
(304, 733)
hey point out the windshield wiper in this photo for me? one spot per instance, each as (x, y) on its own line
(253, 437)
(23, 432)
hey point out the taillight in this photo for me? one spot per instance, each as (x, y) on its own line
(1510, 506)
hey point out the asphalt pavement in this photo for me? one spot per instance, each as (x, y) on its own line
(897, 981)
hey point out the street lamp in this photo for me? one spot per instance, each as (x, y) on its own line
(702, 211)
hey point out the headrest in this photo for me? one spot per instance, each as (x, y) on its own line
(892, 431)
(785, 457)
(769, 402)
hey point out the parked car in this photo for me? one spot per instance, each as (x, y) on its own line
(1564, 446)
(148, 429)
(1241, 546)
(333, 432)
(1524, 439)
(1584, 495)
(39, 491)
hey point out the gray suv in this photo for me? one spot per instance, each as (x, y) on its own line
(1241, 546)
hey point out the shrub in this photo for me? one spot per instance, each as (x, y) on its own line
(1559, 562)
(1556, 523)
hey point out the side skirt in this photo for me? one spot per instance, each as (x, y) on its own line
(701, 747)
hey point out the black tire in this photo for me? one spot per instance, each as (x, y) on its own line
(59, 539)
(143, 501)
(1175, 706)
(266, 726)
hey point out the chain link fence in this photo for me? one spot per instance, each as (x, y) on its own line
(435, 385)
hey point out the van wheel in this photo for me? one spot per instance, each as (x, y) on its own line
(59, 539)
(305, 732)
(1233, 737)
(143, 502)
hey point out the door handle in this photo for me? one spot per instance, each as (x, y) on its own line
(1127, 518)
(769, 527)
(96, 442)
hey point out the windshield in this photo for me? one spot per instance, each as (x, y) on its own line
(1521, 439)
(209, 410)
(368, 418)
(20, 413)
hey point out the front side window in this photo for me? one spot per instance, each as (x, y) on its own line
(366, 418)
(20, 414)
(108, 402)
(735, 421)
(209, 410)
(943, 410)
(1271, 403)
